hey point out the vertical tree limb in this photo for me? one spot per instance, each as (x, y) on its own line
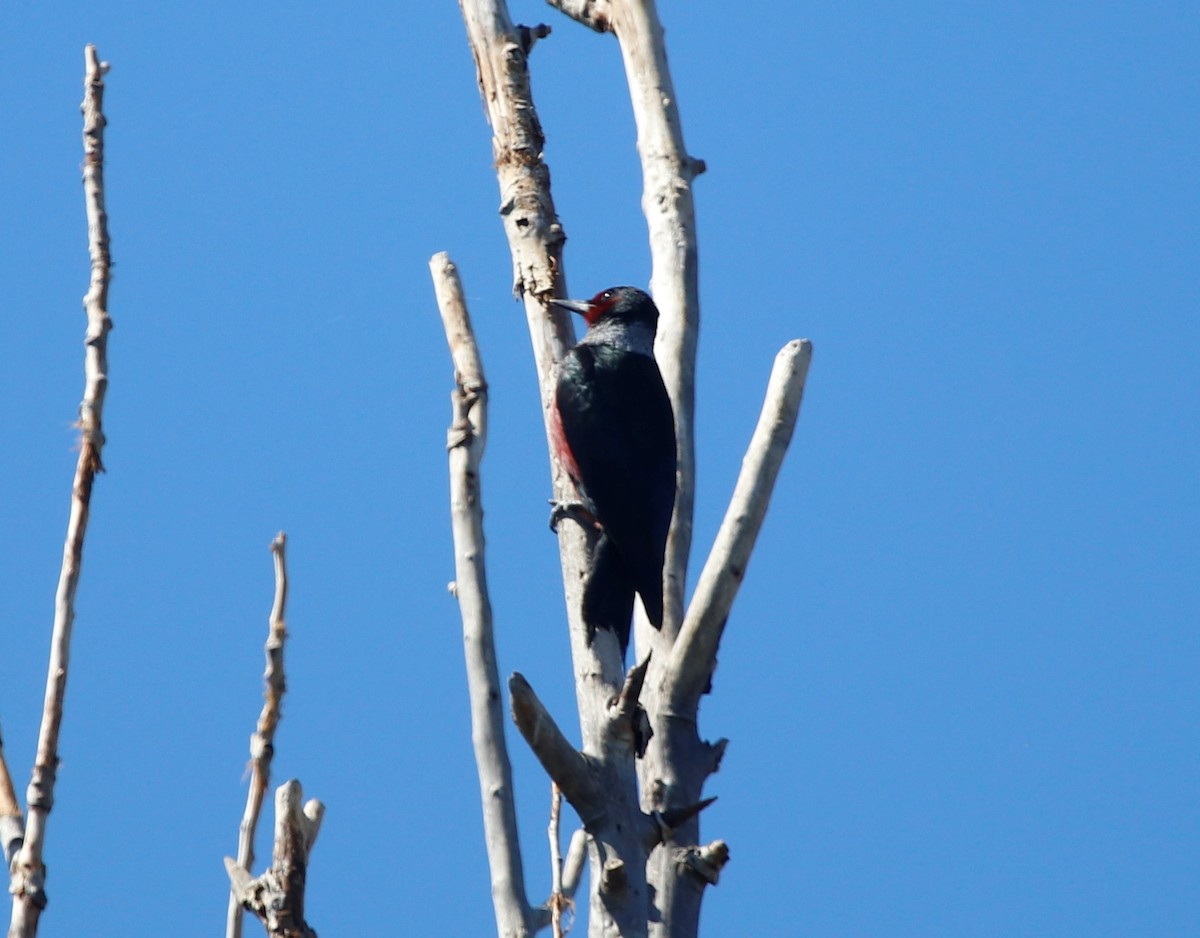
(466, 442)
(679, 761)
(262, 742)
(558, 901)
(28, 874)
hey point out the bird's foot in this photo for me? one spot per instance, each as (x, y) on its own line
(577, 510)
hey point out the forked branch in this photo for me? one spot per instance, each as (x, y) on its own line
(277, 896)
(262, 742)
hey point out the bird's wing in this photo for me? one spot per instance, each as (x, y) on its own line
(617, 420)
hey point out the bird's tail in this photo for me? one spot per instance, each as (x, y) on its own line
(608, 594)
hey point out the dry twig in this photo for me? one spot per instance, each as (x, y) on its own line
(262, 742)
(28, 869)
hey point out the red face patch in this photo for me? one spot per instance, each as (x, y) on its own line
(600, 304)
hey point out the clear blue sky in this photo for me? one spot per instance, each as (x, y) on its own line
(960, 682)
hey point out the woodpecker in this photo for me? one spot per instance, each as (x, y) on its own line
(614, 432)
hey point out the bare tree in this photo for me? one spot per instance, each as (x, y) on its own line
(637, 781)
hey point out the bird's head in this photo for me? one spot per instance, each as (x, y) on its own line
(616, 304)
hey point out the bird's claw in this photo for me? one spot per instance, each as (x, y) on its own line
(577, 510)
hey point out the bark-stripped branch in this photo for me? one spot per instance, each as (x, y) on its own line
(568, 769)
(694, 656)
(466, 441)
(277, 896)
(28, 872)
(262, 742)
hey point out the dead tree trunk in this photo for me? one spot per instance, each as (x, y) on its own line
(638, 803)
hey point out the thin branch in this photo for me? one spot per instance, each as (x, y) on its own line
(558, 902)
(693, 657)
(28, 879)
(467, 439)
(262, 742)
(277, 896)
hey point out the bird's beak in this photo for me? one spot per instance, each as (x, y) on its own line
(575, 306)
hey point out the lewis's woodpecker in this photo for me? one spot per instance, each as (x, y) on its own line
(615, 435)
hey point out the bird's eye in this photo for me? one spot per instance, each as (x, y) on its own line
(607, 294)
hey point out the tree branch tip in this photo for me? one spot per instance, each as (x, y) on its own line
(635, 678)
(528, 36)
(517, 683)
(671, 819)
(717, 752)
(614, 875)
(798, 347)
(239, 877)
